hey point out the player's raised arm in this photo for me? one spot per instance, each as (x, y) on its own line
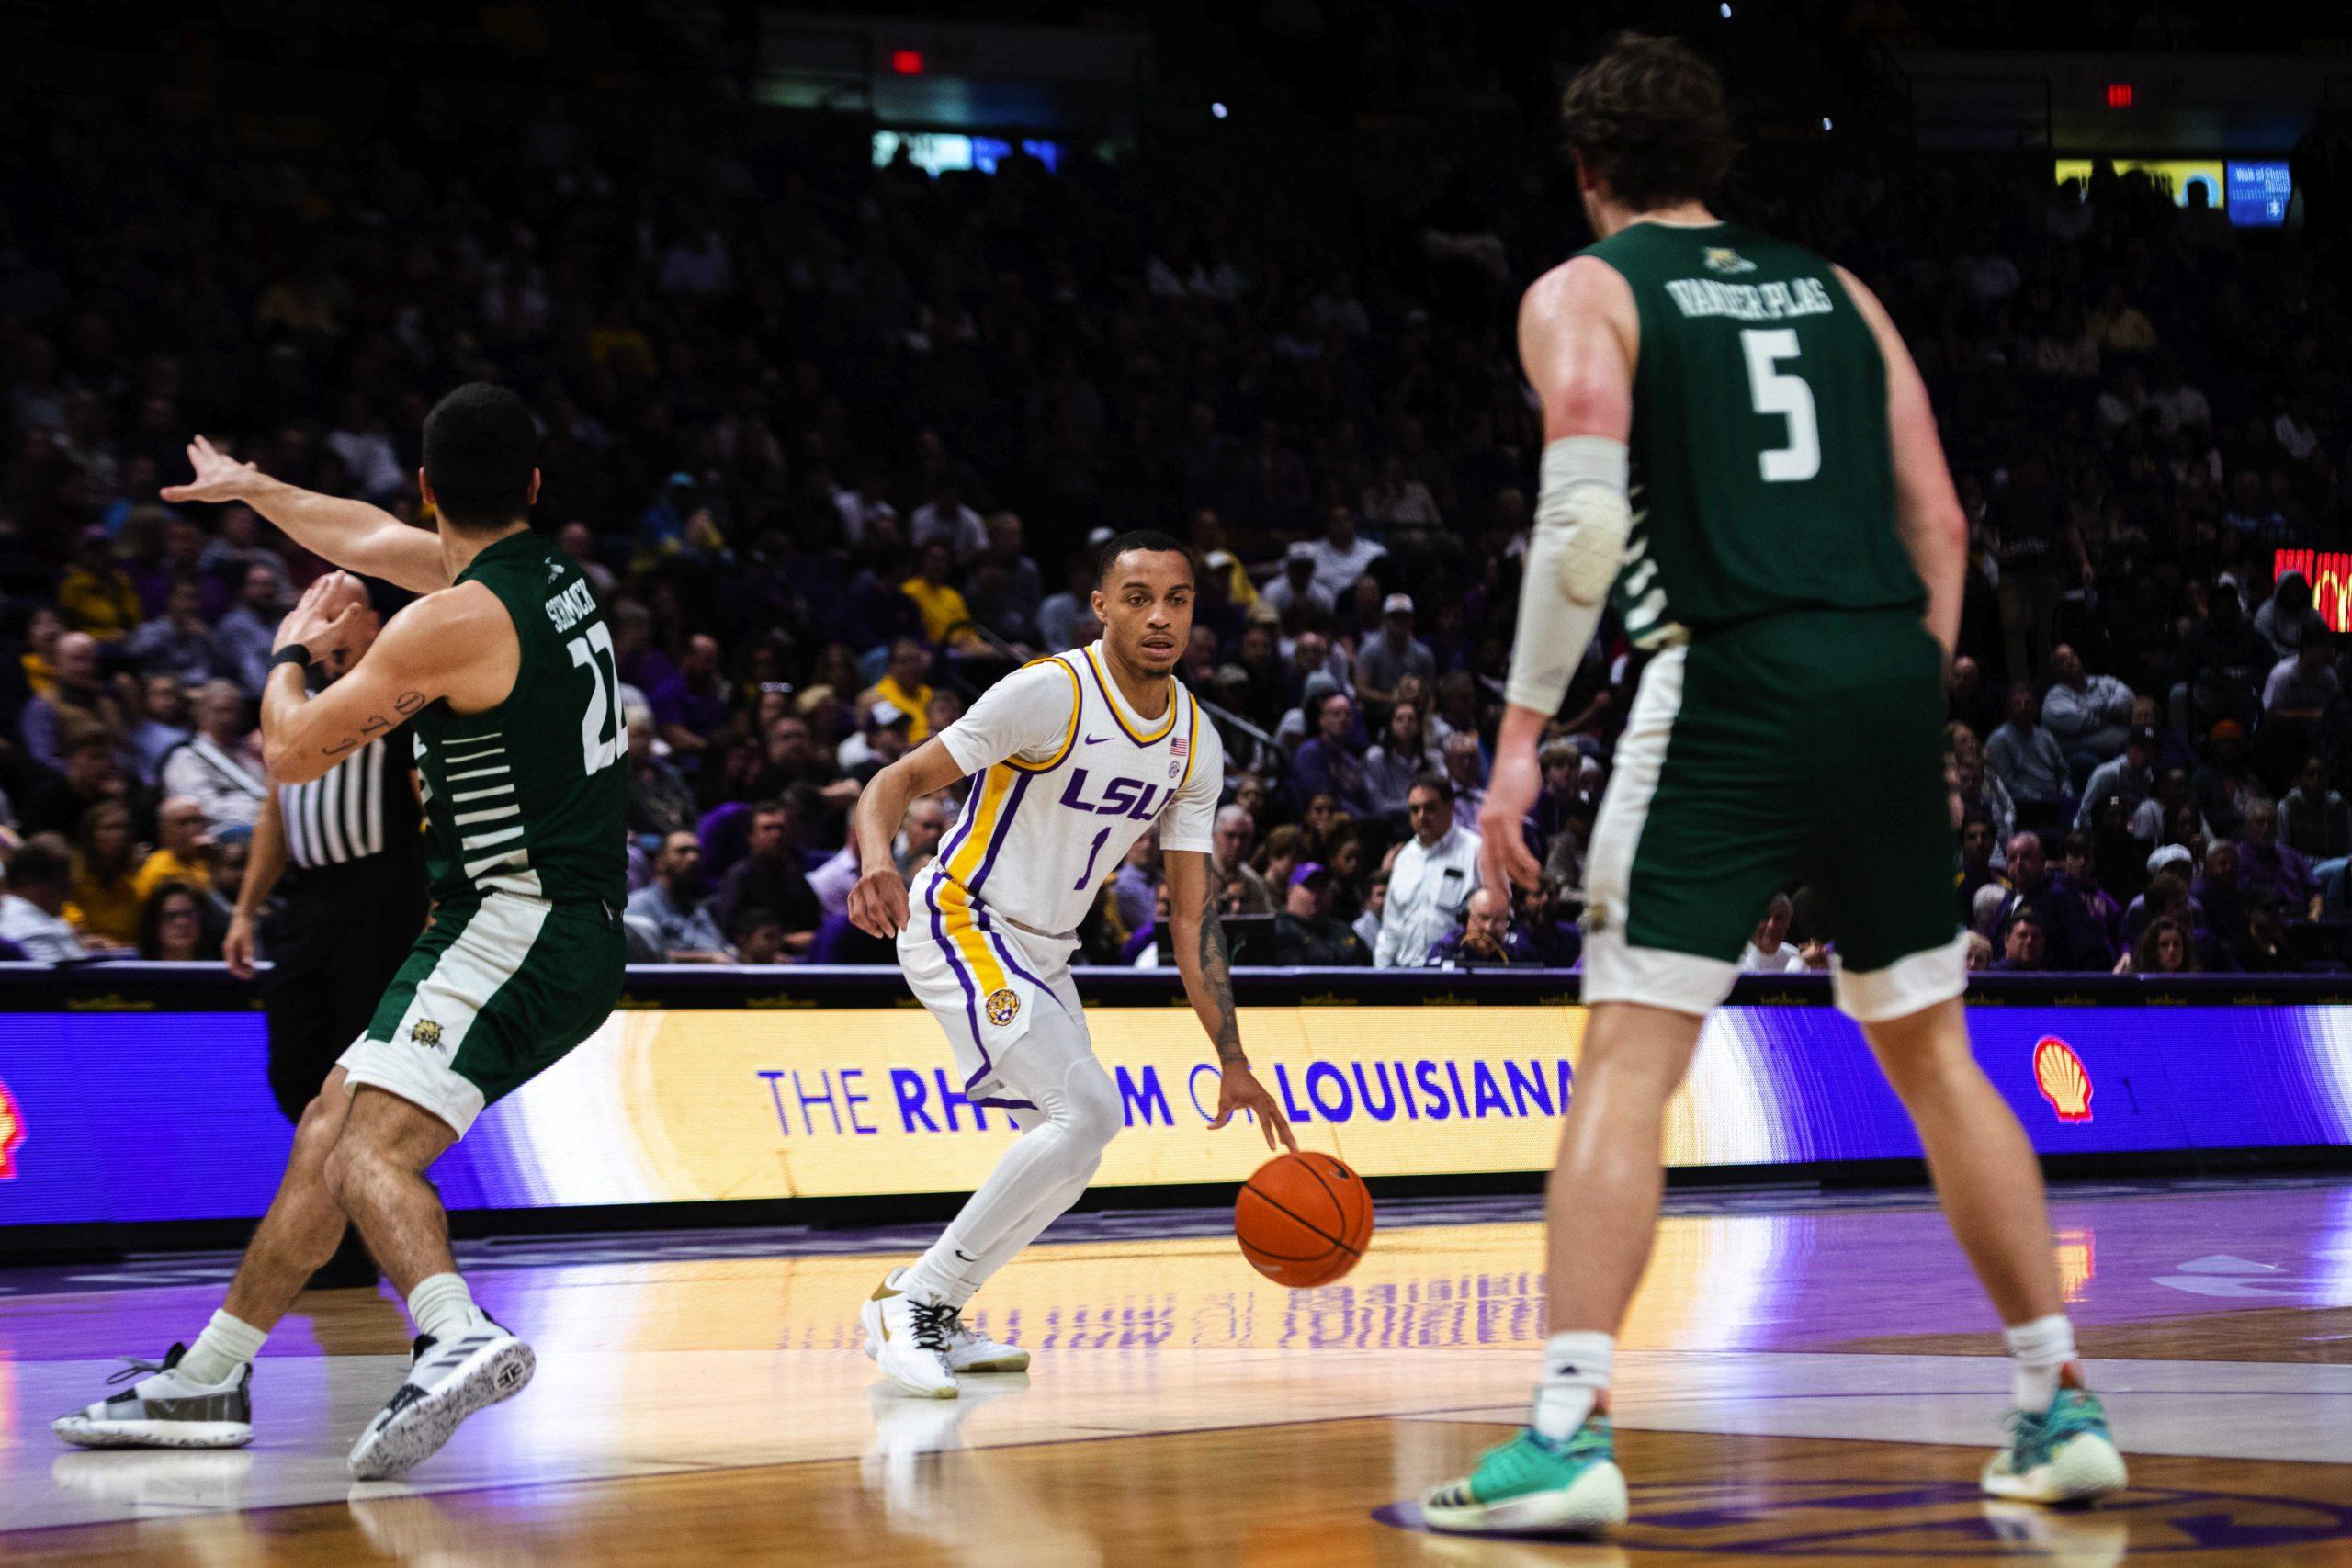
(1927, 510)
(458, 643)
(878, 903)
(1203, 960)
(1578, 332)
(353, 535)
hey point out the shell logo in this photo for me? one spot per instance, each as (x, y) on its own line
(2062, 1080)
(12, 1133)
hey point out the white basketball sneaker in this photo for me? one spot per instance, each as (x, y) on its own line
(165, 1409)
(969, 1350)
(908, 1338)
(448, 1381)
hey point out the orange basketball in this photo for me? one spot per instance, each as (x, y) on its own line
(1303, 1220)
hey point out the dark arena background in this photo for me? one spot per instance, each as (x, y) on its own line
(850, 338)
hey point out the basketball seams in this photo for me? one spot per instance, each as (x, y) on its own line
(1252, 1189)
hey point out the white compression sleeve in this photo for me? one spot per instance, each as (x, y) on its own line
(1581, 524)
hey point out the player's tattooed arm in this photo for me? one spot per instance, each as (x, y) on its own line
(404, 706)
(1216, 980)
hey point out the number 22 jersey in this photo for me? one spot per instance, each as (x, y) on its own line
(1069, 777)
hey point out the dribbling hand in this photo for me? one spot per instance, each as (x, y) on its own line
(877, 904)
(1239, 1090)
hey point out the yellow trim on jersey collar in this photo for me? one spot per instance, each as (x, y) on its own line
(1076, 707)
(1112, 700)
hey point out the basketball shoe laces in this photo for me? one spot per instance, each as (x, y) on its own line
(935, 1322)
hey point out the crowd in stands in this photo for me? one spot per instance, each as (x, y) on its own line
(834, 443)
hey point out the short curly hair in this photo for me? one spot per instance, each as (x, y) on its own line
(1649, 119)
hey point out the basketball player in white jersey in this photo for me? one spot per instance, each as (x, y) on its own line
(1076, 756)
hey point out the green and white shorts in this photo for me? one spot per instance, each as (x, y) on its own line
(493, 994)
(1802, 748)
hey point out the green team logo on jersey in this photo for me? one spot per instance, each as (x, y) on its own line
(1723, 258)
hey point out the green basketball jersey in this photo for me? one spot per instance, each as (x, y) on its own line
(530, 796)
(1761, 479)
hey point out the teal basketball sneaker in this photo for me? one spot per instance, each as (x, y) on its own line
(2064, 1454)
(1531, 1484)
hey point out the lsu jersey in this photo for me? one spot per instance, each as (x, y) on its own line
(1069, 777)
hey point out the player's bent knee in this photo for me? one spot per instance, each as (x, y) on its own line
(1095, 1113)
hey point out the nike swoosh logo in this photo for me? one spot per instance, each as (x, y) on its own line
(964, 1255)
(1096, 739)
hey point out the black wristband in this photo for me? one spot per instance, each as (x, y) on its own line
(292, 653)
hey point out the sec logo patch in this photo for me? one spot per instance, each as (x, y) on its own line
(1004, 1007)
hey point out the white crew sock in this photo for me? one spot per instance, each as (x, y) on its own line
(226, 1345)
(1576, 1372)
(442, 1306)
(2037, 1351)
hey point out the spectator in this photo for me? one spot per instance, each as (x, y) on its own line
(772, 877)
(2088, 716)
(917, 840)
(882, 742)
(2026, 757)
(660, 803)
(1465, 767)
(1280, 856)
(2287, 617)
(1539, 937)
(91, 776)
(183, 849)
(176, 926)
(575, 540)
(671, 911)
(1483, 936)
(944, 610)
(75, 703)
(96, 595)
(1306, 935)
(1390, 654)
(178, 642)
(2313, 819)
(1230, 842)
(221, 769)
(756, 936)
(694, 705)
(946, 520)
(1135, 886)
(1976, 869)
(1767, 951)
(2220, 892)
(161, 727)
(2302, 684)
(906, 686)
(1067, 620)
(2226, 786)
(1403, 755)
(32, 911)
(1376, 898)
(2126, 778)
(2078, 882)
(106, 864)
(1297, 586)
(2268, 866)
(2022, 944)
(1341, 555)
(1008, 592)
(247, 634)
(2164, 949)
(1328, 764)
(2263, 950)
(1430, 876)
(2174, 795)
(2066, 936)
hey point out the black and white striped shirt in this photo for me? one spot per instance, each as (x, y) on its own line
(361, 806)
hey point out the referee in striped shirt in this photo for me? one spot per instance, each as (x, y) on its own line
(350, 849)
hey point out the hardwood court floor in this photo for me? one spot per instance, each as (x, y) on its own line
(1800, 1383)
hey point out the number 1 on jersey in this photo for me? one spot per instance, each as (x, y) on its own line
(1101, 839)
(1784, 393)
(600, 730)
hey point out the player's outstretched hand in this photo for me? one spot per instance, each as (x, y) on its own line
(877, 904)
(1239, 1090)
(1503, 855)
(218, 477)
(332, 619)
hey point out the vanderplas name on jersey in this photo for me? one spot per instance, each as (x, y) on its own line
(1696, 297)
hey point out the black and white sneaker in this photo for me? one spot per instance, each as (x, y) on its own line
(165, 1409)
(447, 1383)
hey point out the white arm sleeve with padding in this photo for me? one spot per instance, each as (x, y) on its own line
(1582, 521)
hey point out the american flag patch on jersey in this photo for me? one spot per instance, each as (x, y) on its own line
(1179, 747)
